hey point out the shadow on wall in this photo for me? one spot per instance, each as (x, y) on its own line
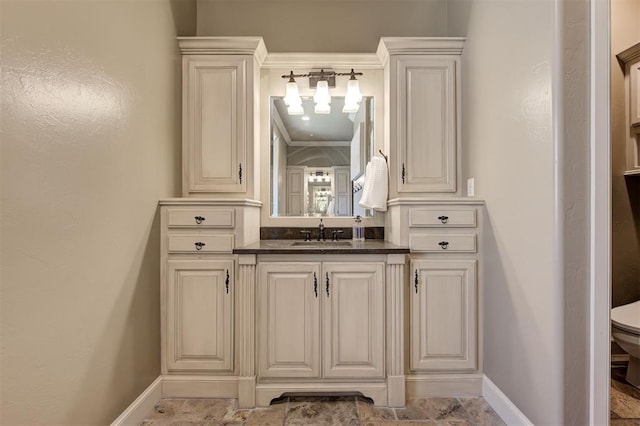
(511, 333)
(184, 17)
(126, 343)
(633, 192)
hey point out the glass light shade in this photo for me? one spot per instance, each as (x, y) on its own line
(295, 108)
(322, 93)
(292, 95)
(350, 107)
(322, 108)
(353, 92)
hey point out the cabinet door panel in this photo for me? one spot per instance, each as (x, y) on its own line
(443, 315)
(427, 125)
(289, 340)
(199, 315)
(353, 319)
(214, 156)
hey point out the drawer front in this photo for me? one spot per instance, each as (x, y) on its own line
(201, 218)
(443, 243)
(199, 243)
(438, 217)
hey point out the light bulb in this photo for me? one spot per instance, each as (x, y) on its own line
(295, 109)
(322, 93)
(292, 95)
(322, 108)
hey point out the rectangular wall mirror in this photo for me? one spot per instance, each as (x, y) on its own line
(317, 161)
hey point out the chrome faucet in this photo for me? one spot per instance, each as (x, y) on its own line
(321, 231)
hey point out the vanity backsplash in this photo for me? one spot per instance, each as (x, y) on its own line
(285, 233)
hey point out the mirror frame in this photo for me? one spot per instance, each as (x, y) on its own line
(272, 84)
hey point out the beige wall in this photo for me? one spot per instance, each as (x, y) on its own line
(508, 147)
(90, 142)
(625, 196)
(322, 25)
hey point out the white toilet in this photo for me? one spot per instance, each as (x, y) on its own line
(625, 328)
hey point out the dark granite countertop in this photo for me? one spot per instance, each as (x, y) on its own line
(321, 247)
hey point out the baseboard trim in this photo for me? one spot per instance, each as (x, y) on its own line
(443, 385)
(183, 386)
(502, 405)
(138, 410)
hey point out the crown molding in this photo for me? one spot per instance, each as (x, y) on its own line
(310, 60)
(630, 54)
(390, 46)
(224, 46)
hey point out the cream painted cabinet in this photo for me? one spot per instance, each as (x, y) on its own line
(424, 94)
(443, 327)
(353, 319)
(426, 127)
(304, 304)
(220, 81)
(289, 325)
(199, 303)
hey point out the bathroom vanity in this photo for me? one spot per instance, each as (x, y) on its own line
(251, 318)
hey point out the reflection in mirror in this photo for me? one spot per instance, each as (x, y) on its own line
(318, 160)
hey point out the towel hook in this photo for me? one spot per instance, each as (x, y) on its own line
(386, 159)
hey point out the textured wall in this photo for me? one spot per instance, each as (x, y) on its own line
(508, 146)
(322, 25)
(90, 142)
(625, 194)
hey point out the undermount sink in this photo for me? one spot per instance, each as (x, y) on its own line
(321, 244)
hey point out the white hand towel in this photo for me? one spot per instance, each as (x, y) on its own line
(376, 185)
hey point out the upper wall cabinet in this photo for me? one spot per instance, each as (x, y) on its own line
(631, 60)
(220, 80)
(423, 81)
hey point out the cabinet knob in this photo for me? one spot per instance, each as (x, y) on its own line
(443, 219)
(443, 244)
(200, 219)
(199, 245)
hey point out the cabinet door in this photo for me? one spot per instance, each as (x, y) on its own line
(215, 124)
(426, 127)
(288, 319)
(443, 315)
(199, 315)
(342, 191)
(353, 317)
(295, 191)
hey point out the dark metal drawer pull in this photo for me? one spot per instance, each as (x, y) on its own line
(403, 172)
(240, 172)
(443, 219)
(199, 245)
(327, 284)
(226, 283)
(315, 284)
(416, 281)
(200, 219)
(443, 244)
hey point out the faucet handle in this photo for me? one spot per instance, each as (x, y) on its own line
(307, 234)
(334, 234)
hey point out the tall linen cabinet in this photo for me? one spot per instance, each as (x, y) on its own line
(427, 212)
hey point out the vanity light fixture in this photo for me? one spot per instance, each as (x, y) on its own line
(292, 97)
(322, 80)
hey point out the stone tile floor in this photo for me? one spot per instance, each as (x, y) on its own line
(338, 410)
(625, 400)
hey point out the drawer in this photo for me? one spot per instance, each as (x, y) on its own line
(201, 218)
(439, 217)
(441, 243)
(200, 243)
